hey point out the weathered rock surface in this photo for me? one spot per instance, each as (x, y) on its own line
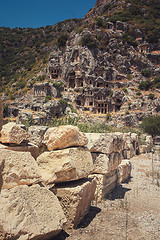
(63, 137)
(124, 171)
(106, 163)
(143, 149)
(75, 199)
(18, 168)
(12, 133)
(34, 150)
(131, 145)
(146, 143)
(92, 138)
(65, 165)
(149, 143)
(108, 143)
(30, 213)
(1, 114)
(105, 184)
(37, 134)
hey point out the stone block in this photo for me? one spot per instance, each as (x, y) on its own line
(18, 168)
(63, 137)
(37, 134)
(105, 184)
(12, 133)
(104, 163)
(34, 150)
(106, 143)
(30, 213)
(65, 165)
(75, 199)
(124, 171)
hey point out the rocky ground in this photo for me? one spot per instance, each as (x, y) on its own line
(131, 212)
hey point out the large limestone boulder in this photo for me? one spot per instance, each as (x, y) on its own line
(18, 168)
(1, 114)
(63, 137)
(108, 143)
(28, 213)
(12, 133)
(75, 199)
(37, 134)
(65, 165)
(104, 163)
(124, 171)
(34, 150)
(105, 184)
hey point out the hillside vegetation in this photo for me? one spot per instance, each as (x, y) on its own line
(146, 14)
(24, 52)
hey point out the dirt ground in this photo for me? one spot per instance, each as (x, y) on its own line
(131, 211)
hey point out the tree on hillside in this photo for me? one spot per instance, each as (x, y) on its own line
(151, 125)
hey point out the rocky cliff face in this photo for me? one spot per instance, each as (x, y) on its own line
(101, 72)
(100, 65)
(1, 114)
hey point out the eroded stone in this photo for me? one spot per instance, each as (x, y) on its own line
(63, 137)
(75, 199)
(65, 165)
(30, 213)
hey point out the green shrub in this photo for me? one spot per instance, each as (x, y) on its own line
(129, 76)
(62, 39)
(41, 78)
(125, 90)
(146, 72)
(145, 85)
(138, 93)
(108, 116)
(156, 82)
(20, 85)
(47, 98)
(129, 39)
(94, 128)
(110, 93)
(12, 97)
(74, 110)
(62, 101)
(100, 22)
(151, 96)
(58, 84)
(151, 125)
(88, 41)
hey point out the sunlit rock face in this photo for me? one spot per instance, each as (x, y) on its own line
(1, 114)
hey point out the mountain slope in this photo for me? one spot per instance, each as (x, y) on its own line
(106, 63)
(22, 50)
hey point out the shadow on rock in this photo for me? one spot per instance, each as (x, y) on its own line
(117, 193)
(61, 236)
(93, 211)
(128, 180)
